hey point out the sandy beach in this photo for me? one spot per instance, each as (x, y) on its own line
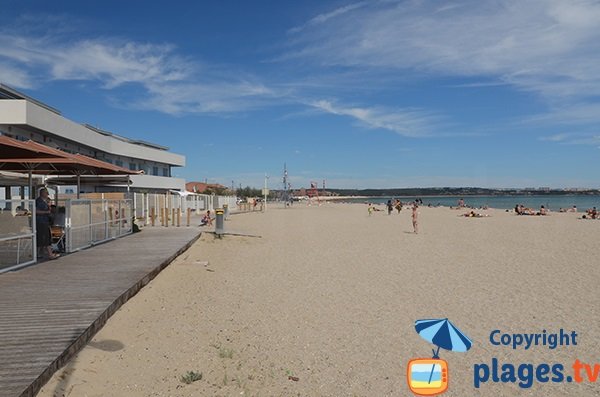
(324, 302)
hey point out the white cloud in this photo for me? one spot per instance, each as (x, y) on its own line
(322, 18)
(589, 139)
(581, 113)
(15, 76)
(551, 47)
(210, 97)
(173, 84)
(112, 62)
(406, 122)
(555, 137)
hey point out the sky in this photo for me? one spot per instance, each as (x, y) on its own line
(361, 94)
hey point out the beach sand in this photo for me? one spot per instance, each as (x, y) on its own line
(329, 295)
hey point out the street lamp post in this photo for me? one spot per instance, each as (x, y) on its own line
(266, 191)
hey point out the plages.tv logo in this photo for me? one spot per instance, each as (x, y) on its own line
(430, 376)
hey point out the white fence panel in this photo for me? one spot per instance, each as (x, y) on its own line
(17, 234)
(90, 222)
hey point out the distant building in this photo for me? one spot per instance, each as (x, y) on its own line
(201, 187)
(25, 118)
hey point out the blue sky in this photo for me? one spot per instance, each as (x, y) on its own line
(362, 94)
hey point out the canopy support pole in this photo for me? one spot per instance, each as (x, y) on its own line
(31, 195)
(78, 184)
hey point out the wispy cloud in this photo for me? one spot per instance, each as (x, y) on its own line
(480, 84)
(322, 18)
(550, 47)
(581, 113)
(406, 122)
(590, 139)
(112, 62)
(555, 137)
(172, 83)
(15, 76)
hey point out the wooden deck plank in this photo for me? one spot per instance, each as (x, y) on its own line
(50, 311)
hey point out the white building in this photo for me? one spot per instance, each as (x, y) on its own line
(24, 118)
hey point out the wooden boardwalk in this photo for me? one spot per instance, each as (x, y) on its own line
(50, 311)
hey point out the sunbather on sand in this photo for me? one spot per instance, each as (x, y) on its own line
(592, 213)
(474, 214)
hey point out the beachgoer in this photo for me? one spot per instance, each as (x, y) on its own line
(370, 209)
(206, 219)
(415, 220)
(543, 211)
(474, 214)
(461, 203)
(42, 224)
(390, 207)
(398, 205)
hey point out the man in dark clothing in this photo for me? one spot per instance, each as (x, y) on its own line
(42, 224)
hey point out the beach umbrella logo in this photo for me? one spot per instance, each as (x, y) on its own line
(429, 376)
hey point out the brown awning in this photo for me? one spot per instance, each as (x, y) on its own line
(34, 158)
(11, 148)
(18, 156)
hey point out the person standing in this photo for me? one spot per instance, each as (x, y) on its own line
(42, 224)
(398, 205)
(415, 218)
(390, 207)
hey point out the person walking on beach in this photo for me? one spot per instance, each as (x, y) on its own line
(415, 218)
(390, 207)
(370, 209)
(398, 205)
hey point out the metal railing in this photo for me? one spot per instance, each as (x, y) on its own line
(17, 234)
(90, 222)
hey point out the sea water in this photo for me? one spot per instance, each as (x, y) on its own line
(553, 203)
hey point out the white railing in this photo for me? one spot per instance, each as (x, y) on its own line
(17, 234)
(162, 205)
(230, 201)
(91, 222)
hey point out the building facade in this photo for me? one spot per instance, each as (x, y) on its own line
(24, 118)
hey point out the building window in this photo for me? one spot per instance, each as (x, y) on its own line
(132, 167)
(154, 170)
(118, 163)
(165, 172)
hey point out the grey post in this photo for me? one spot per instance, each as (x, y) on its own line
(219, 229)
